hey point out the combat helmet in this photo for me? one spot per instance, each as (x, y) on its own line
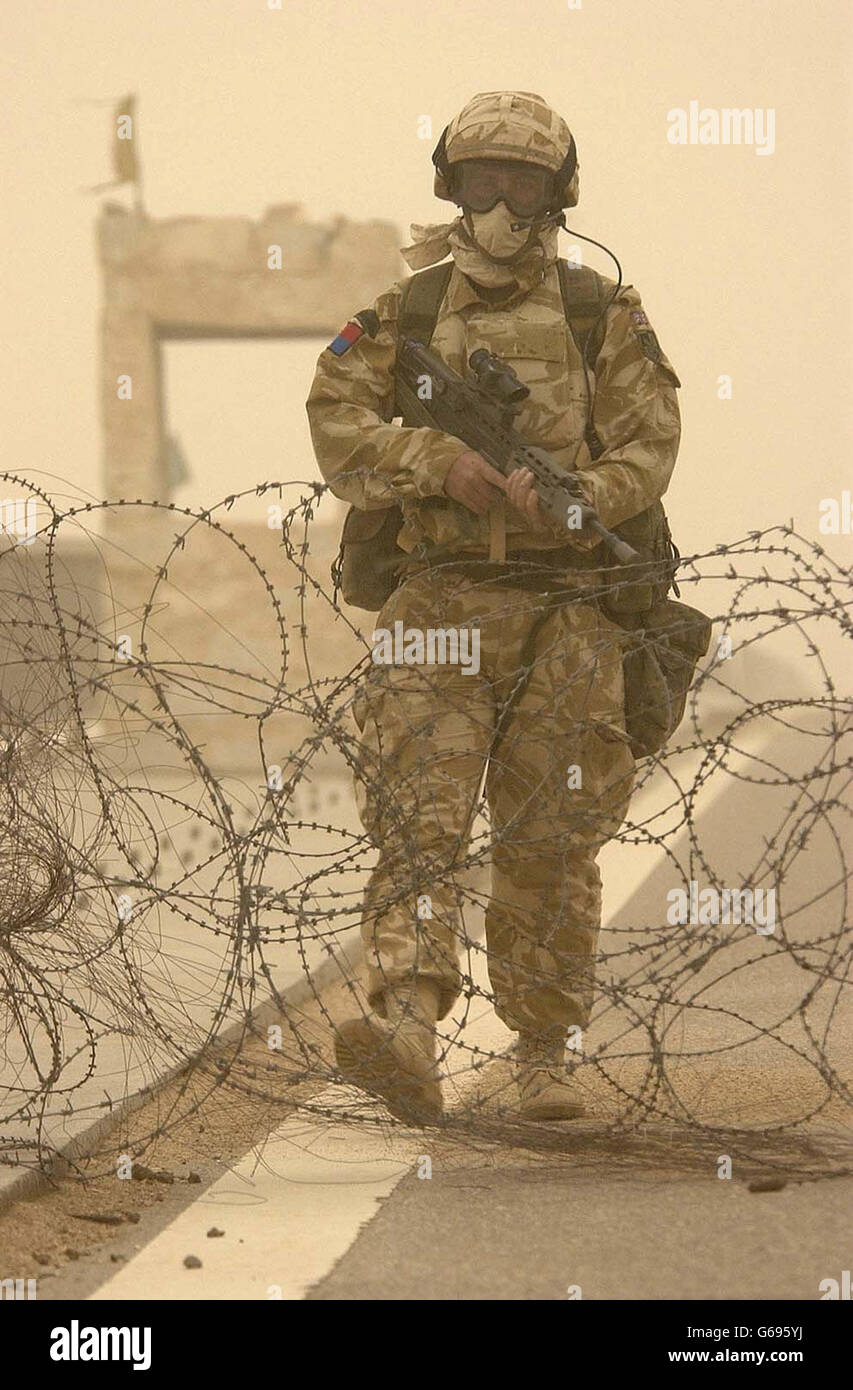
(509, 125)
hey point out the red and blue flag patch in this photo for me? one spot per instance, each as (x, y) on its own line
(348, 335)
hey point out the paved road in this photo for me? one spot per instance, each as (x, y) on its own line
(523, 1234)
(339, 1212)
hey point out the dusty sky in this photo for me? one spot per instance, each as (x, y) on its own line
(742, 259)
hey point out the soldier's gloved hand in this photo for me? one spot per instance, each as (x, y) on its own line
(475, 483)
(522, 494)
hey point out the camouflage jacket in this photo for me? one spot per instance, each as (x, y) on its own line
(371, 462)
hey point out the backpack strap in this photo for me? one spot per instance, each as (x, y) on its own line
(421, 302)
(584, 297)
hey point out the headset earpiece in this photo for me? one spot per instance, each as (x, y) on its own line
(566, 171)
(442, 164)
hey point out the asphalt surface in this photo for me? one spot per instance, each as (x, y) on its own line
(530, 1234)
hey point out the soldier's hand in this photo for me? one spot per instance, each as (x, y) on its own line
(475, 483)
(521, 491)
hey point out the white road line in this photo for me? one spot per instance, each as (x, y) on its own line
(289, 1212)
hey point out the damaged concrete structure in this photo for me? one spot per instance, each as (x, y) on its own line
(197, 278)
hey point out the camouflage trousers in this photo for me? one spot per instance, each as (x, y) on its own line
(558, 777)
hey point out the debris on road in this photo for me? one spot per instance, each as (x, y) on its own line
(143, 1174)
(773, 1184)
(101, 1218)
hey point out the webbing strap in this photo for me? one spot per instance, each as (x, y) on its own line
(421, 302)
(582, 290)
(584, 297)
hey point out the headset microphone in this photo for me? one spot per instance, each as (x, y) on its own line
(557, 219)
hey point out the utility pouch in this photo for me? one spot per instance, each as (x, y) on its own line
(664, 647)
(365, 572)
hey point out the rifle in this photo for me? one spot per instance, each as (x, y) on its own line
(479, 412)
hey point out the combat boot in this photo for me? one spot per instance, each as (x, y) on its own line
(546, 1090)
(396, 1060)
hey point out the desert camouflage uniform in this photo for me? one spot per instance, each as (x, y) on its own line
(428, 733)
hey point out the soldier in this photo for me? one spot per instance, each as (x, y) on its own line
(544, 715)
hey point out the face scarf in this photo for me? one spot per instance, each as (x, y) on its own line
(476, 237)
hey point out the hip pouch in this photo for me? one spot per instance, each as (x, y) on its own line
(365, 572)
(664, 647)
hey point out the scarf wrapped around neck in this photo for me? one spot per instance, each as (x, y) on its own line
(431, 243)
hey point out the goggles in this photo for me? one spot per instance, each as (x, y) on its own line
(480, 184)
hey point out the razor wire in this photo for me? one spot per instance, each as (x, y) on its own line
(157, 909)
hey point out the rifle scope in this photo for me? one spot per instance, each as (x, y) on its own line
(497, 378)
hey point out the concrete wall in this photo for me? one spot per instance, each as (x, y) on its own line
(216, 277)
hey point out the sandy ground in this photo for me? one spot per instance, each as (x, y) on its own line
(198, 1126)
